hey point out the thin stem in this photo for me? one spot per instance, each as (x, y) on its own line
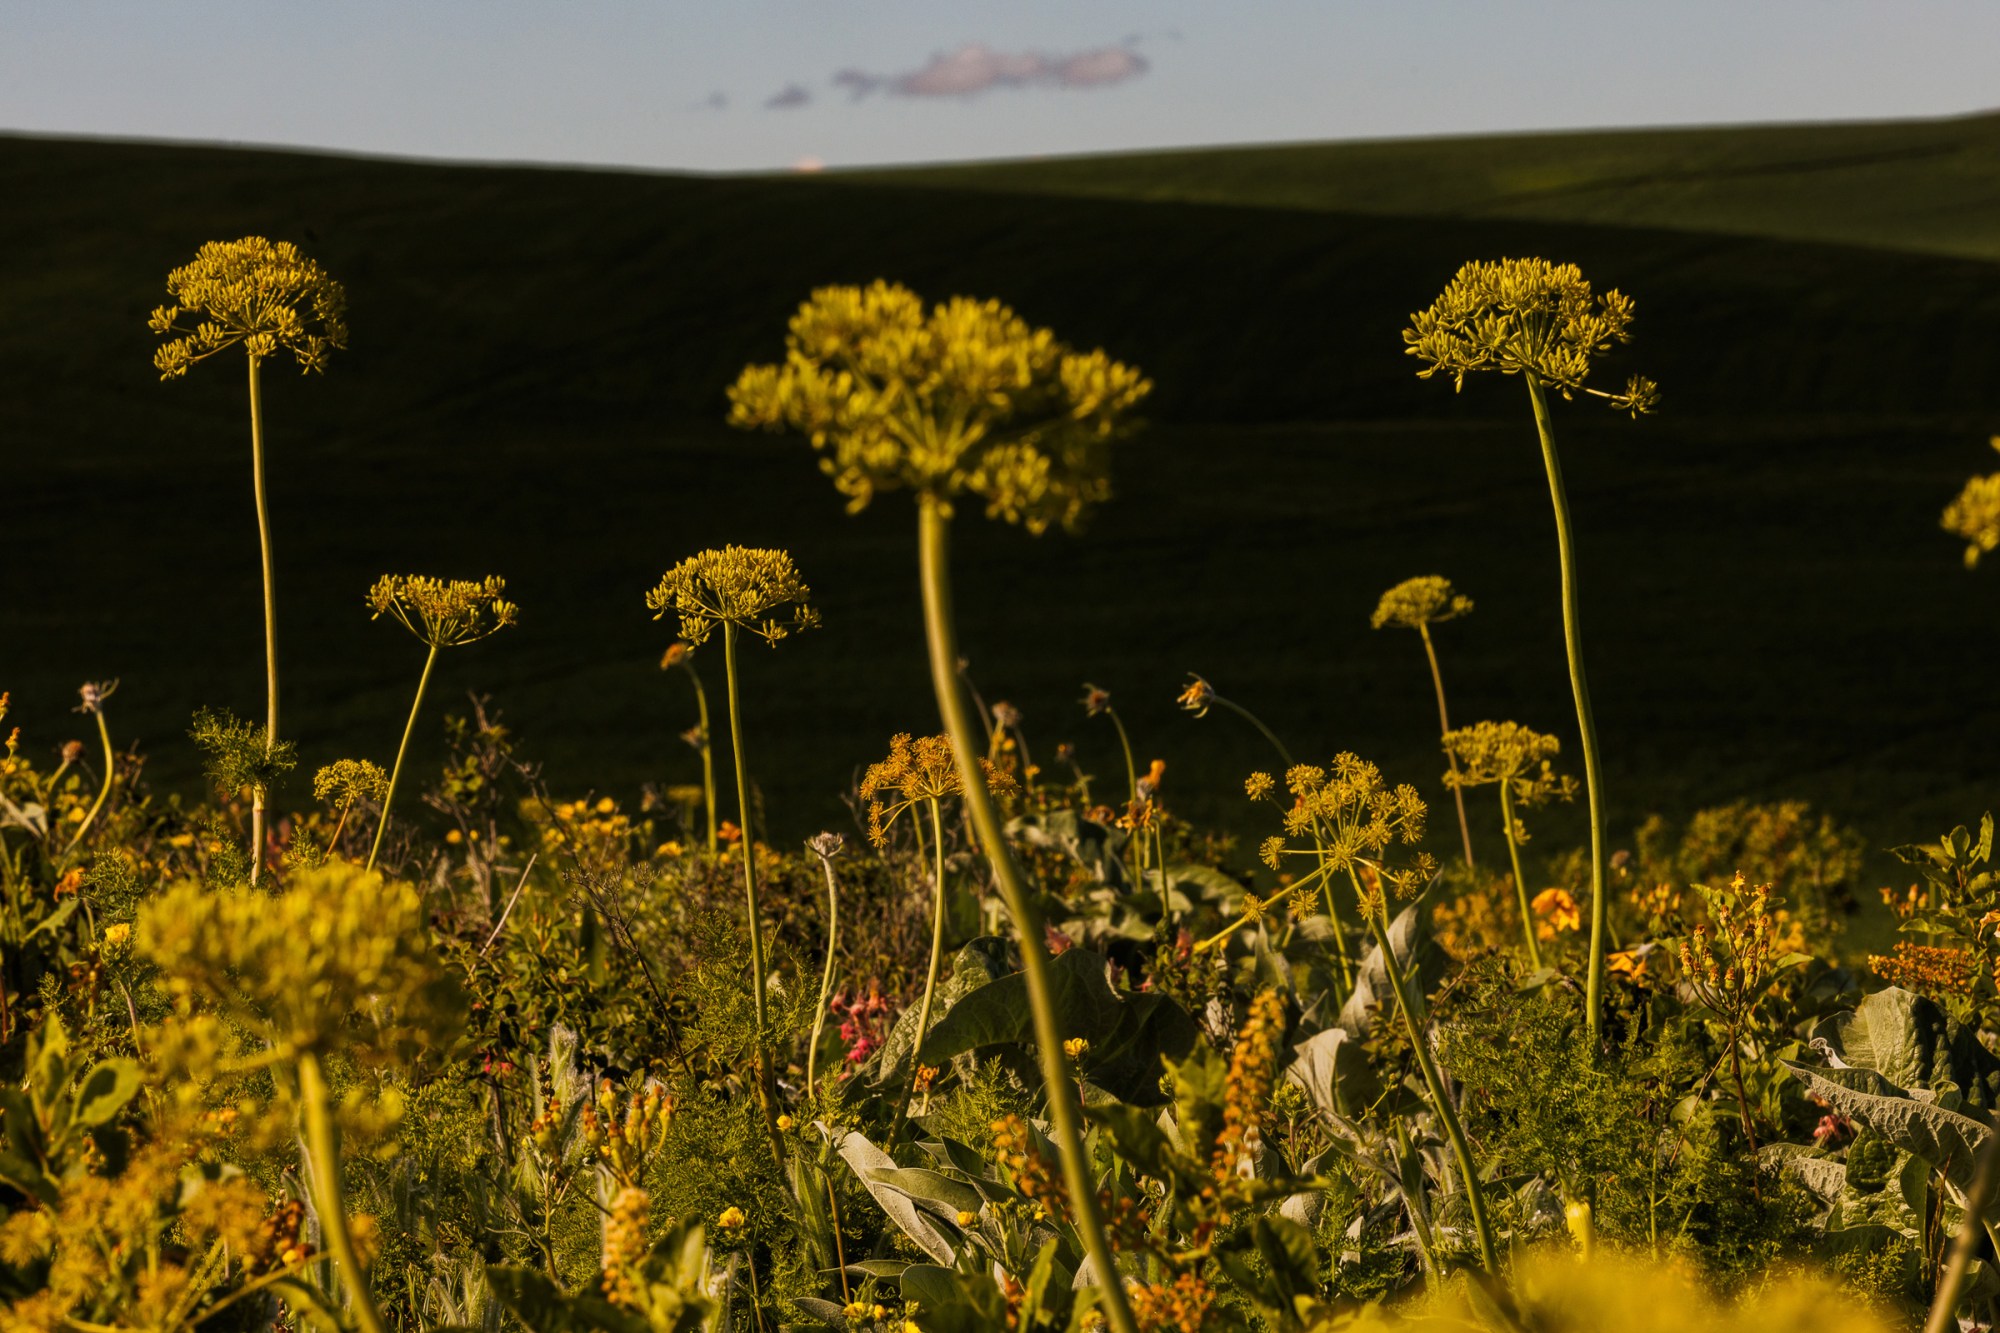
(825, 984)
(270, 618)
(1520, 884)
(934, 533)
(1138, 844)
(338, 825)
(1444, 725)
(323, 1143)
(748, 848)
(104, 793)
(707, 754)
(1600, 904)
(1440, 1100)
(389, 798)
(1258, 723)
(937, 950)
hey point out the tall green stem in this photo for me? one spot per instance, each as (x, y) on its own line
(1444, 725)
(937, 948)
(748, 848)
(1132, 786)
(258, 794)
(1520, 884)
(1447, 1114)
(826, 978)
(933, 546)
(1600, 904)
(707, 754)
(323, 1143)
(389, 797)
(104, 792)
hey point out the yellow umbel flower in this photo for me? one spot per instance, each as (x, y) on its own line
(918, 769)
(1426, 600)
(1494, 752)
(1975, 515)
(254, 292)
(965, 398)
(345, 781)
(444, 614)
(737, 585)
(1526, 315)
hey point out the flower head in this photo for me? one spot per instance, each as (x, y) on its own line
(346, 781)
(1491, 752)
(1555, 912)
(758, 591)
(732, 1219)
(1414, 603)
(1526, 315)
(444, 614)
(254, 292)
(1095, 700)
(923, 768)
(963, 398)
(1198, 697)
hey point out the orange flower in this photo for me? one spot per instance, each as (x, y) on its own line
(1556, 911)
(1627, 964)
(729, 832)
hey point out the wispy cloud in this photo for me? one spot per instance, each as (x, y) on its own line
(791, 96)
(976, 68)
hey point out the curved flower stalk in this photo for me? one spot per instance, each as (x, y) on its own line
(1097, 702)
(961, 399)
(265, 297)
(344, 783)
(922, 772)
(681, 655)
(741, 590)
(441, 615)
(1418, 604)
(827, 847)
(298, 968)
(1541, 321)
(93, 694)
(1505, 755)
(1354, 817)
(1975, 515)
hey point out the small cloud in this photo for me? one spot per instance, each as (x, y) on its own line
(791, 96)
(716, 101)
(975, 67)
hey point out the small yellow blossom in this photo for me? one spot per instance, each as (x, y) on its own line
(1556, 912)
(732, 1219)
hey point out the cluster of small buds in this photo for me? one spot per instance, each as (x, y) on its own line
(1928, 970)
(1727, 967)
(864, 1021)
(1247, 1090)
(625, 1245)
(1181, 1306)
(1657, 903)
(1911, 902)
(623, 1142)
(278, 1240)
(1016, 1149)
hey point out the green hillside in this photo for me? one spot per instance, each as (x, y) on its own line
(1931, 186)
(535, 389)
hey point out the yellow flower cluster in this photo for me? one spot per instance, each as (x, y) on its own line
(302, 964)
(922, 768)
(1525, 316)
(346, 781)
(444, 614)
(1975, 515)
(1180, 1306)
(253, 292)
(1928, 970)
(963, 398)
(737, 585)
(624, 1142)
(1426, 600)
(625, 1245)
(1015, 1147)
(1355, 812)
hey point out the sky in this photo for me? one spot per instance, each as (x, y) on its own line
(731, 85)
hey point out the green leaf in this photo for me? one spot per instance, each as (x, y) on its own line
(934, 1189)
(1423, 965)
(545, 1308)
(866, 1160)
(1945, 1139)
(1913, 1043)
(1139, 1138)
(1824, 1176)
(54, 919)
(997, 1014)
(105, 1091)
(948, 1303)
(1333, 1070)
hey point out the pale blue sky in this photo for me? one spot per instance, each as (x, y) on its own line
(631, 84)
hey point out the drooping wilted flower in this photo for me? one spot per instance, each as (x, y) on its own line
(1198, 697)
(92, 694)
(444, 614)
(1426, 600)
(262, 294)
(965, 398)
(1526, 315)
(737, 585)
